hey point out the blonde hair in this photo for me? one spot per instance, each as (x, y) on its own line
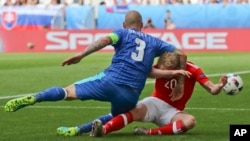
(169, 60)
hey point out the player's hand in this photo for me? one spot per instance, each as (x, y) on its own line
(177, 92)
(223, 81)
(73, 60)
(182, 72)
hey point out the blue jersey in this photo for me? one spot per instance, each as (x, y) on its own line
(134, 56)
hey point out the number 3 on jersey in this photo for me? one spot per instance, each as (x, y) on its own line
(138, 56)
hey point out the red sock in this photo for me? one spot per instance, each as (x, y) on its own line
(118, 122)
(169, 129)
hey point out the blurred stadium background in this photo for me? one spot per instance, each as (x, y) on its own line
(201, 25)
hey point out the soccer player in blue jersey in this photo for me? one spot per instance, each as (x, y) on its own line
(122, 82)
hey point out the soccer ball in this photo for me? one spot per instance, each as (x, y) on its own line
(234, 84)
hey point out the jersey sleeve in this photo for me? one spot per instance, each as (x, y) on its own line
(197, 73)
(165, 47)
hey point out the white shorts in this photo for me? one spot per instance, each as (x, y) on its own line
(158, 111)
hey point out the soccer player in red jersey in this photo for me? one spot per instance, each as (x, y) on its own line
(159, 108)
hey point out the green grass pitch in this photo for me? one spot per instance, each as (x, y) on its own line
(27, 73)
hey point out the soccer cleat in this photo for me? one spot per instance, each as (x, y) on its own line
(18, 103)
(96, 128)
(140, 131)
(68, 131)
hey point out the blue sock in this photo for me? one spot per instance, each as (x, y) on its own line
(52, 94)
(86, 128)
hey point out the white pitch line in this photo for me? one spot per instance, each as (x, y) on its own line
(209, 75)
(103, 107)
(148, 82)
(15, 96)
(220, 74)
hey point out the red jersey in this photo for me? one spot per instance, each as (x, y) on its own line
(163, 86)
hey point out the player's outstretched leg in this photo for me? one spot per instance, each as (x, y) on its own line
(96, 128)
(51, 94)
(84, 128)
(140, 131)
(18, 103)
(68, 131)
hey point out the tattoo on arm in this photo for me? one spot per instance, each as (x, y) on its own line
(97, 45)
(183, 61)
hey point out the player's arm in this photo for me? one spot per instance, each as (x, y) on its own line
(95, 46)
(159, 73)
(178, 91)
(215, 89)
(183, 61)
(112, 38)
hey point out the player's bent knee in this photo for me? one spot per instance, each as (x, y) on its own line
(190, 122)
(70, 92)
